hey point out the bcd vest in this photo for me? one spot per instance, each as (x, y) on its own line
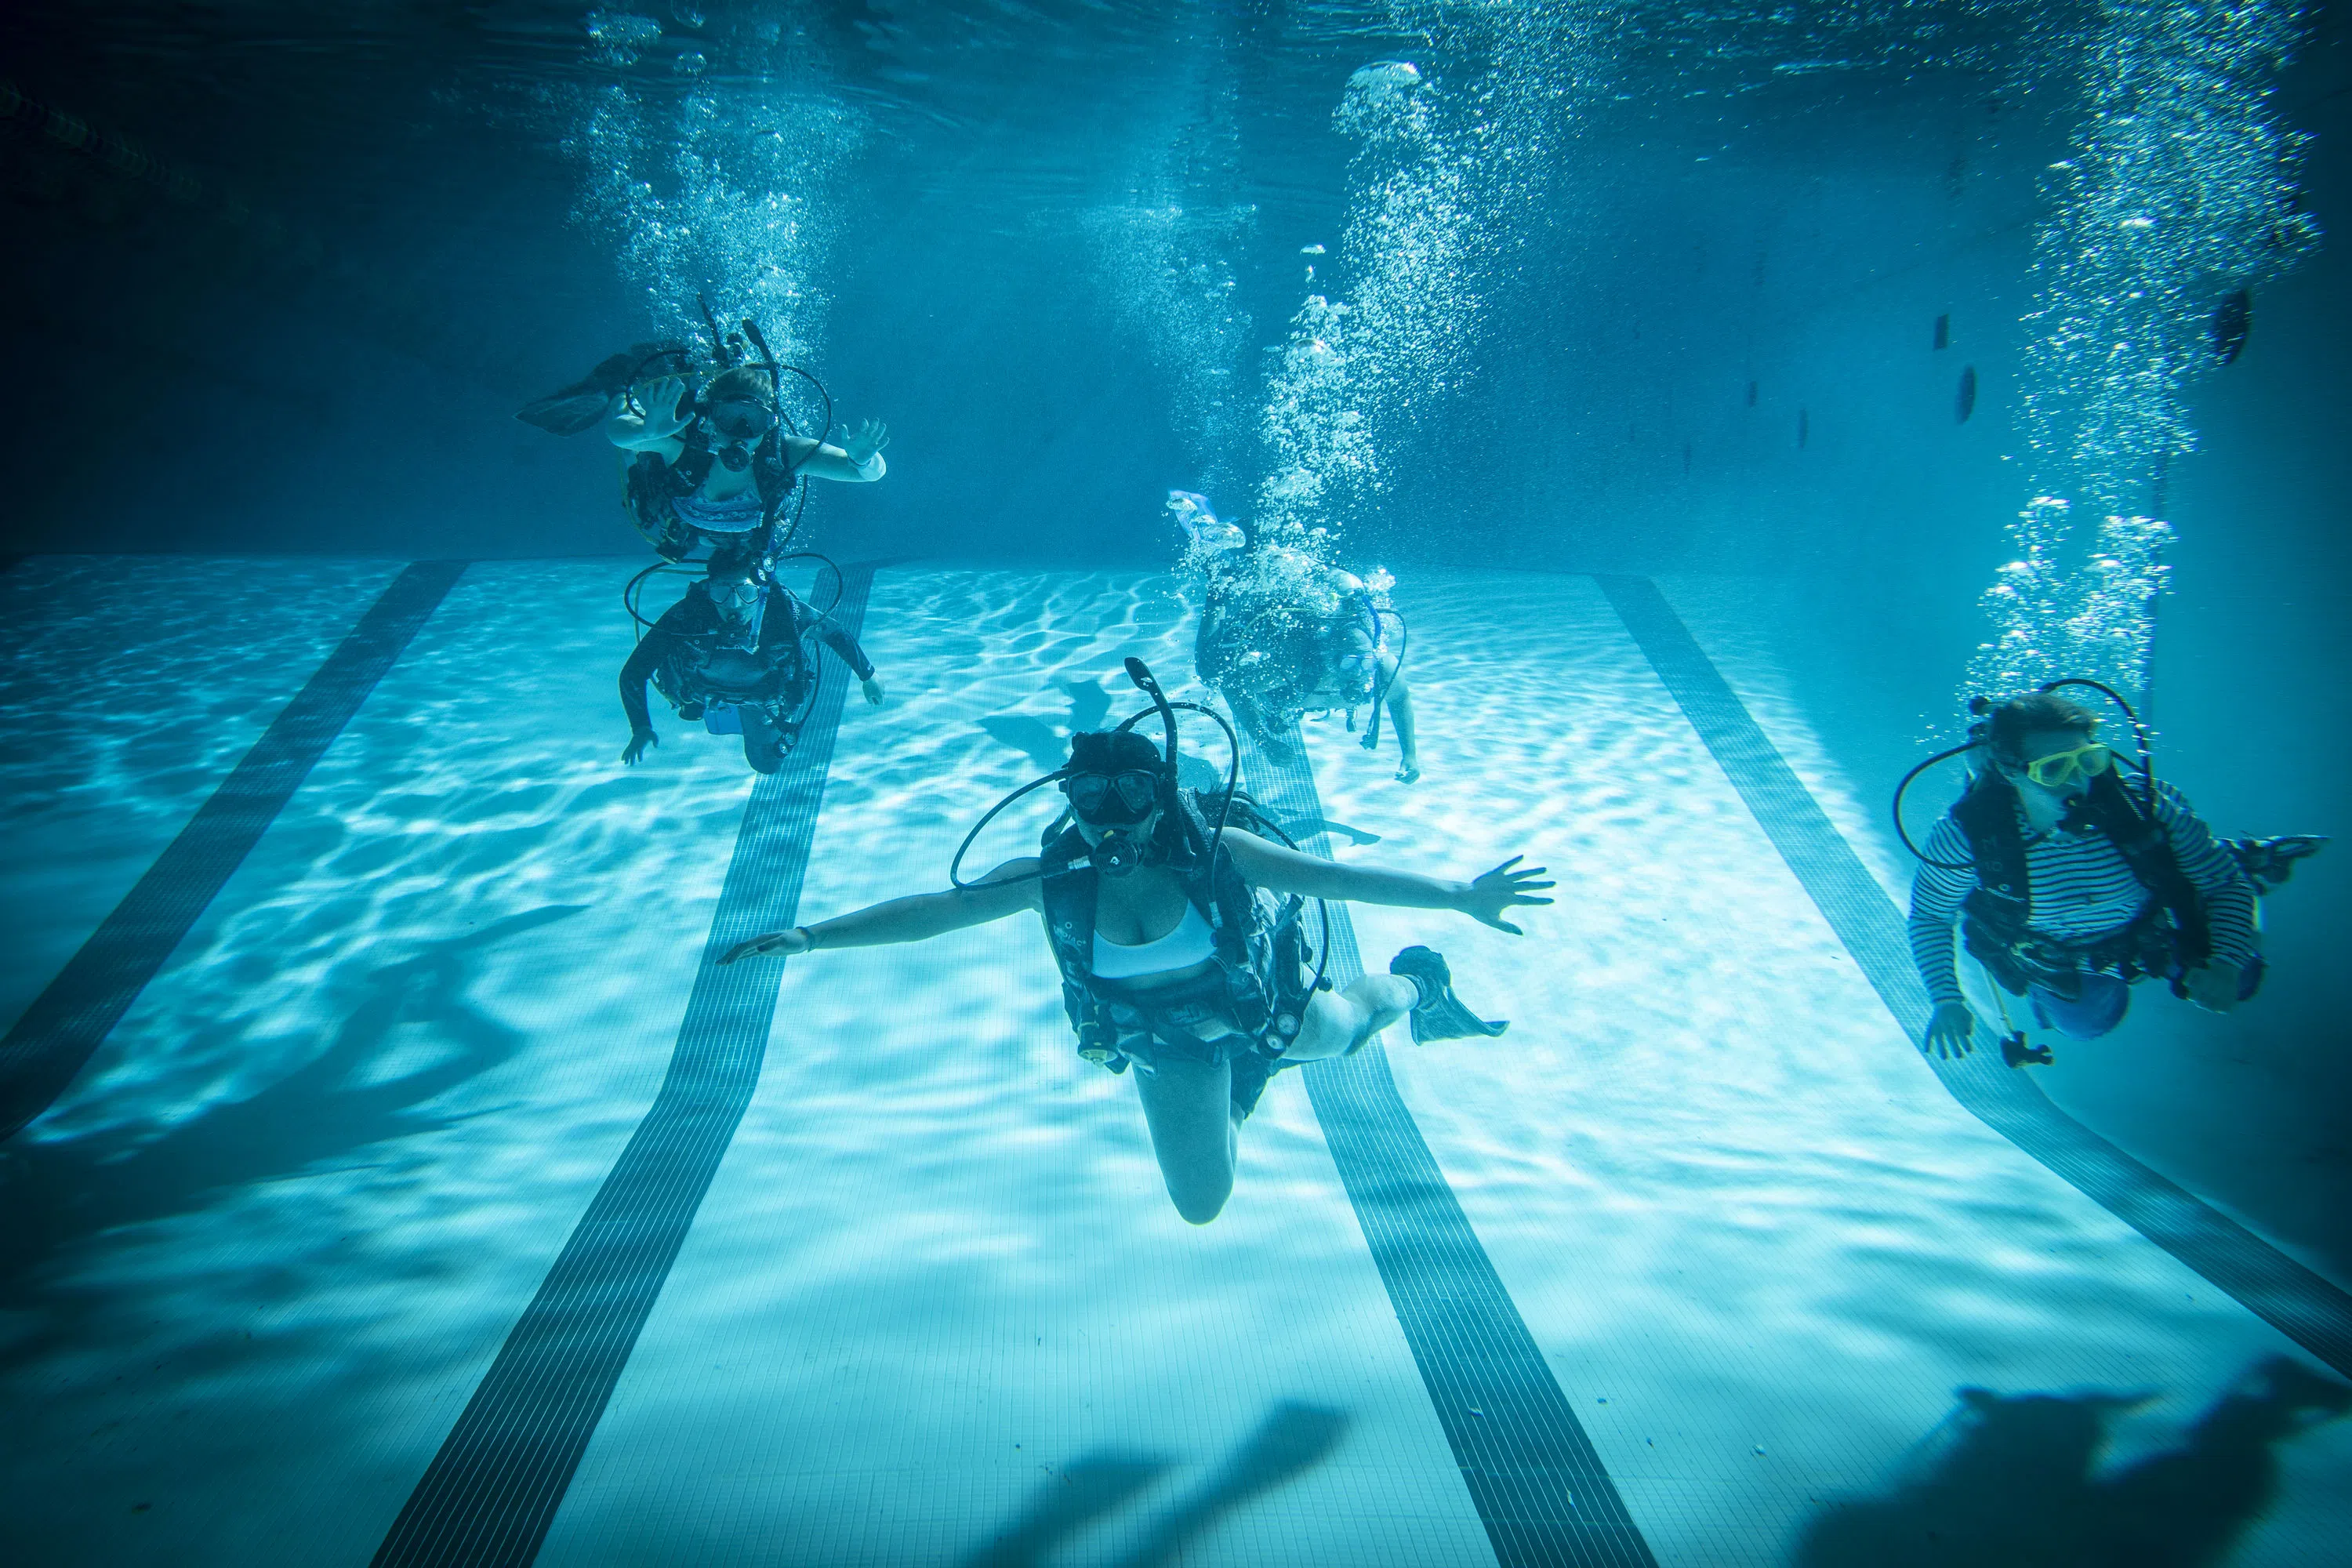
(1254, 980)
(782, 660)
(653, 482)
(2174, 934)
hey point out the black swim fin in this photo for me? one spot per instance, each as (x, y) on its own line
(583, 405)
(1440, 1015)
(2269, 862)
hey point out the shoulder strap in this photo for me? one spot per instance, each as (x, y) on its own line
(686, 474)
(1219, 890)
(773, 473)
(1069, 895)
(2141, 839)
(1986, 815)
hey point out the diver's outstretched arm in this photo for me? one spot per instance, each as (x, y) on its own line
(1007, 891)
(856, 461)
(1286, 870)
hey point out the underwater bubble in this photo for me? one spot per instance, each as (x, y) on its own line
(689, 64)
(687, 17)
(1310, 251)
(623, 29)
(1379, 99)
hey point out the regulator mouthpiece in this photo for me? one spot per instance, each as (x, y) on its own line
(1118, 854)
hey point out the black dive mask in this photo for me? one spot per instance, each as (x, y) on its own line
(1113, 800)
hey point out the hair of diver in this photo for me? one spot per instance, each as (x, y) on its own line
(632, 590)
(1977, 741)
(2139, 731)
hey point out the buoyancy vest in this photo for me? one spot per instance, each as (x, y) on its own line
(774, 674)
(1253, 982)
(2174, 934)
(654, 483)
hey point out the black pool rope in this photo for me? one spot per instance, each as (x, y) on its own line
(55, 1036)
(2300, 1304)
(1532, 1473)
(490, 1493)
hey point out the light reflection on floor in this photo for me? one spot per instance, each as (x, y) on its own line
(271, 1241)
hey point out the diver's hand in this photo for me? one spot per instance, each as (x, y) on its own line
(1949, 1031)
(1502, 888)
(2213, 986)
(660, 399)
(873, 689)
(775, 943)
(638, 741)
(863, 442)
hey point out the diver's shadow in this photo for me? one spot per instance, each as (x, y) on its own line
(57, 1194)
(1292, 1439)
(2016, 1483)
(1045, 746)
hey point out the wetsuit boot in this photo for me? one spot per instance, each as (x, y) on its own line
(1440, 1015)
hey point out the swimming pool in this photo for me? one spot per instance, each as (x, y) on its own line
(1701, 1261)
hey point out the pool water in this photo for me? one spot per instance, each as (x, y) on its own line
(934, 1306)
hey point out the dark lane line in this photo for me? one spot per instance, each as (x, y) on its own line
(2301, 1305)
(492, 1491)
(1539, 1488)
(50, 1043)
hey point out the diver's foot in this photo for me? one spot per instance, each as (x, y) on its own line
(762, 747)
(1440, 1015)
(1408, 772)
(2269, 862)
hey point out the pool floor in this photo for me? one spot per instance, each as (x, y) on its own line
(436, 1201)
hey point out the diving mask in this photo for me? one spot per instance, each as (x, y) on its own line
(742, 421)
(1113, 800)
(2059, 768)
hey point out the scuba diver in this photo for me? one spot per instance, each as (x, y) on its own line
(1281, 636)
(1175, 918)
(716, 465)
(2069, 882)
(734, 653)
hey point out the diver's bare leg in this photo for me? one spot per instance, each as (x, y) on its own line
(1188, 1105)
(1337, 1023)
(1400, 715)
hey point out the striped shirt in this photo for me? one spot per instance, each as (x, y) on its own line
(2082, 889)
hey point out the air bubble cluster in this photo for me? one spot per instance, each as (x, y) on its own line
(2179, 197)
(712, 190)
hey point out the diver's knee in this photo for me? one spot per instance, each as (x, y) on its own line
(1201, 1204)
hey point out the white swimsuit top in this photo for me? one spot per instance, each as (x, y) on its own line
(1187, 945)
